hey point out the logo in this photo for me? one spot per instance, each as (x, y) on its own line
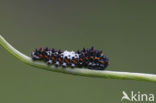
(137, 96)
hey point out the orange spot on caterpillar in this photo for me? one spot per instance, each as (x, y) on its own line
(92, 58)
(102, 62)
(81, 59)
(41, 56)
(59, 59)
(87, 58)
(46, 57)
(74, 61)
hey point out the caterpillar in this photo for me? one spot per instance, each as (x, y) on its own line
(87, 57)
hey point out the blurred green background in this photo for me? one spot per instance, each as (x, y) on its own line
(124, 30)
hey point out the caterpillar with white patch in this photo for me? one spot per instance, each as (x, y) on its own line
(88, 58)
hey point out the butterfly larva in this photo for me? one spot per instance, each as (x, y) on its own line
(89, 58)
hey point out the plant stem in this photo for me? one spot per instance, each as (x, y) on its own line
(77, 71)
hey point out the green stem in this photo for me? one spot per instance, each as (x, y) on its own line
(77, 71)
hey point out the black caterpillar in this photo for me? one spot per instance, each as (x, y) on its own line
(89, 58)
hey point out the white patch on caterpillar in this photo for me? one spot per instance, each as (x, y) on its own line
(70, 55)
